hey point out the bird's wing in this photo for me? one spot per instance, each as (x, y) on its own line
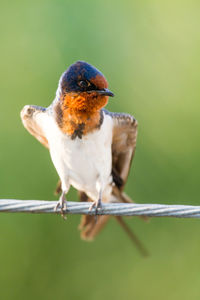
(29, 116)
(123, 146)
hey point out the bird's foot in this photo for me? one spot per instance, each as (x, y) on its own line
(97, 205)
(62, 203)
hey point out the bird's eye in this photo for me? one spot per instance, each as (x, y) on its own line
(84, 83)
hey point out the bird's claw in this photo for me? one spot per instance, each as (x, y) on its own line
(62, 203)
(97, 205)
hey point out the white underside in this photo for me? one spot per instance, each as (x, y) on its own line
(83, 163)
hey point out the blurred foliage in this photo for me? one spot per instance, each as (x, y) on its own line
(149, 52)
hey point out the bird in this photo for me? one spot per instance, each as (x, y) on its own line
(90, 147)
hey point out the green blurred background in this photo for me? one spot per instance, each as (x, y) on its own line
(149, 52)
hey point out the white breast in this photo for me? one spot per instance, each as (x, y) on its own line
(83, 163)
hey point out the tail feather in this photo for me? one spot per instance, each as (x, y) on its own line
(90, 228)
(132, 236)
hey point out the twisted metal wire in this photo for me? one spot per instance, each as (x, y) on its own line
(114, 209)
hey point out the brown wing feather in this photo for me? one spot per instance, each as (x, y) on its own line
(123, 146)
(28, 119)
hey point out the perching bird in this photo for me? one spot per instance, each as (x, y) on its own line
(91, 148)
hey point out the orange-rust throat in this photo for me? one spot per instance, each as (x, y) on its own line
(80, 114)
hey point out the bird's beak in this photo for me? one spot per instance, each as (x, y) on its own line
(105, 92)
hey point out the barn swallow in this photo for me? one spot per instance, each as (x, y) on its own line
(91, 148)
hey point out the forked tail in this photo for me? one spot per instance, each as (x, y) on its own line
(90, 228)
(139, 245)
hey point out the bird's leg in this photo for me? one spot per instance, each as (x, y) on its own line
(62, 203)
(97, 204)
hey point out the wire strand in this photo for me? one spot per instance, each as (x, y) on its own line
(114, 209)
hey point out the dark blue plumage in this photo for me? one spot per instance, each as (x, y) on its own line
(79, 71)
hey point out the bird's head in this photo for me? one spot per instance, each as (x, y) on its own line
(84, 88)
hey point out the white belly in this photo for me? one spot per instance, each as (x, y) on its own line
(83, 163)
